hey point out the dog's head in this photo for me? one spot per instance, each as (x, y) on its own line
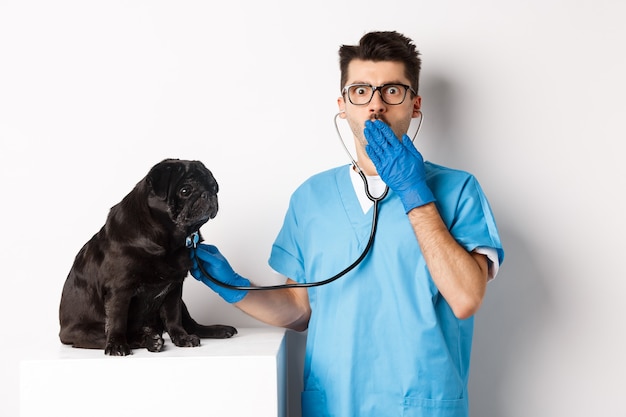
(184, 191)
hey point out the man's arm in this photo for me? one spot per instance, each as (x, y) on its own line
(287, 307)
(460, 276)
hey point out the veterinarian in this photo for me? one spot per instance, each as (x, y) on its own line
(393, 336)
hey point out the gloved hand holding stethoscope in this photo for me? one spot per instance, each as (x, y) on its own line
(217, 268)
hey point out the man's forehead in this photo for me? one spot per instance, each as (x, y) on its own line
(376, 72)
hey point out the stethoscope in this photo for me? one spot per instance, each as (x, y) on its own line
(193, 239)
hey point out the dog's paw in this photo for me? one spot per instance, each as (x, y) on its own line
(220, 331)
(154, 343)
(215, 331)
(187, 340)
(113, 348)
(228, 331)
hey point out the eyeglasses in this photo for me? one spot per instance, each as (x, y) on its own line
(361, 94)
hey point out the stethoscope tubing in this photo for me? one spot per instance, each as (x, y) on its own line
(370, 242)
(305, 284)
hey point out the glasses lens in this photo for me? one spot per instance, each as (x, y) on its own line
(393, 93)
(360, 93)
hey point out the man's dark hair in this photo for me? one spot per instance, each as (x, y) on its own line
(383, 46)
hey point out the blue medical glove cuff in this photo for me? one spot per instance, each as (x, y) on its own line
(416, 196)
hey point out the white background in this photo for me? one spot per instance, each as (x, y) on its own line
(529, 96)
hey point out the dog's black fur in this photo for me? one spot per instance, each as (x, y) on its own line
(125, 287)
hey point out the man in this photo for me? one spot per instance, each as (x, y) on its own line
(393, 336)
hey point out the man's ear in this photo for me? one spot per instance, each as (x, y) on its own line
(342, 107)
(417, 105)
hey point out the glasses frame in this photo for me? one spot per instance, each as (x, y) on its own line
(378, 88)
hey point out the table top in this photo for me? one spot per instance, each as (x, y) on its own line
(251, 341)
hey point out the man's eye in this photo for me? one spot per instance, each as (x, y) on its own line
(392, 90)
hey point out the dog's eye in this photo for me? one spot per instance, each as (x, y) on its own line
(185, 191)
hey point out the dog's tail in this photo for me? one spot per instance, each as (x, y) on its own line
(216, 331)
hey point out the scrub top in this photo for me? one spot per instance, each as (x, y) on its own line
(381, 340)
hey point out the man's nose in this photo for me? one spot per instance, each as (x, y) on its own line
(376, 104)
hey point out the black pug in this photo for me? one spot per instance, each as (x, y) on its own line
(125, 286)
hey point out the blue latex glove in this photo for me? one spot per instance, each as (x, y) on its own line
(218, 267)
(398, 163)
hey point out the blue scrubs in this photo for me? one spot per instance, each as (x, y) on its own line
(382, 341)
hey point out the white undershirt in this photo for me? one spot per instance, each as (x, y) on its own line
(374, 183)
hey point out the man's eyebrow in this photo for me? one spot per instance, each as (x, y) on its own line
(394, 82)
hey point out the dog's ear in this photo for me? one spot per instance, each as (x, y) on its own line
(162, 175)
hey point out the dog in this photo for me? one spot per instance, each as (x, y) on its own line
(124, 288)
